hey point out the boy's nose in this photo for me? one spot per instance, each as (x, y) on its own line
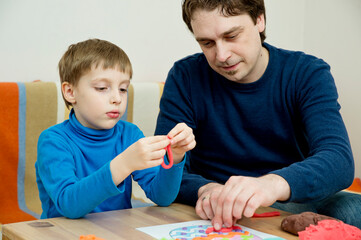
(116, 98)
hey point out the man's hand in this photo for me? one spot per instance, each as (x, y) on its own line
(240, 196)
(207, 200)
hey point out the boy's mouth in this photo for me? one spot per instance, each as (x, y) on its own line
(113, 114)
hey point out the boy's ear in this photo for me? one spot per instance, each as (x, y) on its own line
(68, 92)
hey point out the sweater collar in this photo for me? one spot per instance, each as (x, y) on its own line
(89, 133)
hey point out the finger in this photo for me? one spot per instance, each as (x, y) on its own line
(217, 221)
(251, 206)
(177, 129)
(154, 163)
(214, 200)
(180, 132)
(160, 144)
(203, 208)
(240, 203)
(157, 154)
(155, 139)
(199, 209)
(207, 207)
(228, 204)
(184, 149)
(176, 139)
(186, 142)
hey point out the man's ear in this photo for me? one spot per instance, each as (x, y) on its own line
(68, 92)
(261, 23)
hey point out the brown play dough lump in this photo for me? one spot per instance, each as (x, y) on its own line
(299, 222)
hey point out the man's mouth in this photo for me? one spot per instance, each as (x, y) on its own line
(230, 68)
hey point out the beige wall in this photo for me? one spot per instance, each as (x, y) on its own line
(34, 34)
(335, 36)
(329, 29)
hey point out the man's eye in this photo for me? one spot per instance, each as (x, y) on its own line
(124, 90)
(231, 37)
(207, 44)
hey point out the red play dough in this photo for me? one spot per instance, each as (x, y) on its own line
(330, 230)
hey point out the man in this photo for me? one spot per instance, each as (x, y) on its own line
(266, 121)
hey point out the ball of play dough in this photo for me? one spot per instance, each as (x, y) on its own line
(298, 222)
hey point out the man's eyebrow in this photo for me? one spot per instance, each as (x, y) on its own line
(228, 32)
(202, 39)
(232, 30)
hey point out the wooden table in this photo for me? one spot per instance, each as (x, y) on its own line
(122, 224)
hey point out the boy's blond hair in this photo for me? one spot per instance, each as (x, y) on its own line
(82, 56)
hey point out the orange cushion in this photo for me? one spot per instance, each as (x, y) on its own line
(355, 186)
(9, 155)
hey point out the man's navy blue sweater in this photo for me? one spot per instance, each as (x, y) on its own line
(286, 123)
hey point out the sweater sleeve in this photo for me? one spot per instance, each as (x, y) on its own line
(329, 165)
(175, 107)
(72, 197)
(161, 185)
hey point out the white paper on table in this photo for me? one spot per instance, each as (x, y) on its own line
(192, 229)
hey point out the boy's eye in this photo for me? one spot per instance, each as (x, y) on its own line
(123, 90)
(100, 89)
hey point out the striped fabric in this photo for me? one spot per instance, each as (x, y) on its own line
(12, 127)
(26, 109)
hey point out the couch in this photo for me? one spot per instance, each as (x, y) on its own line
(26, 109)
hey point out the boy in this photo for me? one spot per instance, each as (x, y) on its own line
(85, 163)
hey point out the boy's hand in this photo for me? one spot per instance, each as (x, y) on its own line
(145, 153)
(182, 140)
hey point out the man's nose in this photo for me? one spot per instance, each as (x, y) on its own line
(222, 52)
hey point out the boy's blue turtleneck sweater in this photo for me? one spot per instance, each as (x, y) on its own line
(73, 172)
